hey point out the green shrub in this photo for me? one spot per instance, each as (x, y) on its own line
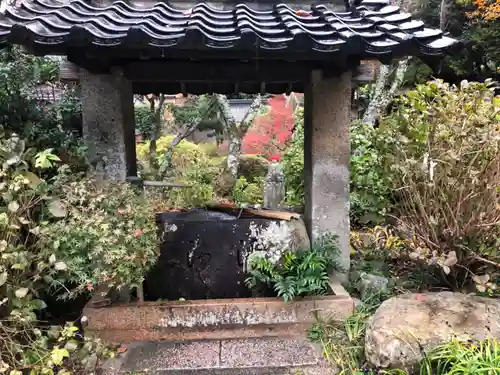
(144, 120)
(248, 192)
(57, 127)
(295, 274)
(252, 167)
(371, 191)
(107, 235)
(197, 194)
(188, 160)
(190, 165)
(184, 156)
(293, 163)
(40, 124)
(211, 149)
(445, 167)
(28, 345)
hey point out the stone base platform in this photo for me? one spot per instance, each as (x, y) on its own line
(225, 319)
(261, 356)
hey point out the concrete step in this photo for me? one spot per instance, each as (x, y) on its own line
(259, 356)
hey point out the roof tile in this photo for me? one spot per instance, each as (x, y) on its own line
(374, 29)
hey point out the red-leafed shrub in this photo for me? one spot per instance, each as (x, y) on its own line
(269, 132)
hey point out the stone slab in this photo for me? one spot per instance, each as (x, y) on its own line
(267, 353)
(276, 356)
(209, 333)
(303, 370)
(157, 356)
(212, 319)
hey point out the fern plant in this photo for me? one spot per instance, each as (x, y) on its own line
(299, 273)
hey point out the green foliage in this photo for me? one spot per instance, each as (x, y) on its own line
(487, 36)
(480, 32)
(144, 120)
(41, 125)
(47, 69)
(106, 235)
(444, 165)
(184, 156)
(293, 163)
(480, 57)
(27, 346)
(190, 165)
(46, 159)
(370, 189)
(17, 75)
(481, 358)
(417, 72)
(197, 194)
(249, 187)
(248, 192)
(191, 109)
(198, 110)
(300, 273)
(56, 126)
(252, 167)
(364, 94)
(209, 148)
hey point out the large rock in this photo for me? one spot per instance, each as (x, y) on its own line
(406, 325)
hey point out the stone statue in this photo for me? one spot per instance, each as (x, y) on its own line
(274, 186)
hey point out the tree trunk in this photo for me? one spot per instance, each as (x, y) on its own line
(445, 13)
(234, 153)
(155, 133)
(236, 132)
(384, 90)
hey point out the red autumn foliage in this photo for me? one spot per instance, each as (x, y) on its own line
(269, 132)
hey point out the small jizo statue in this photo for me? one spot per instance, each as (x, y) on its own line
(274, 185)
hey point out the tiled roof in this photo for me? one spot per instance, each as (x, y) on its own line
(373, 30)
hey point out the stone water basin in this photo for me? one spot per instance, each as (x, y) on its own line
(203, 262)
(204, 253)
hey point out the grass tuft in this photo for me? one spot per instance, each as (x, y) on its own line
(459, 358)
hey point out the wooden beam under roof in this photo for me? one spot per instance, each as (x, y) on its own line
(364, 73)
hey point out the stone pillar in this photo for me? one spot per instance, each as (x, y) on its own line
(108, 124)
(327, 109)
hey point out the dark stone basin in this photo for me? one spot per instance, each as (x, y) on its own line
(202, 255)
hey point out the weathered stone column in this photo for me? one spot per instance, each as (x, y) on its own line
(327, 108)
(108, 124)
